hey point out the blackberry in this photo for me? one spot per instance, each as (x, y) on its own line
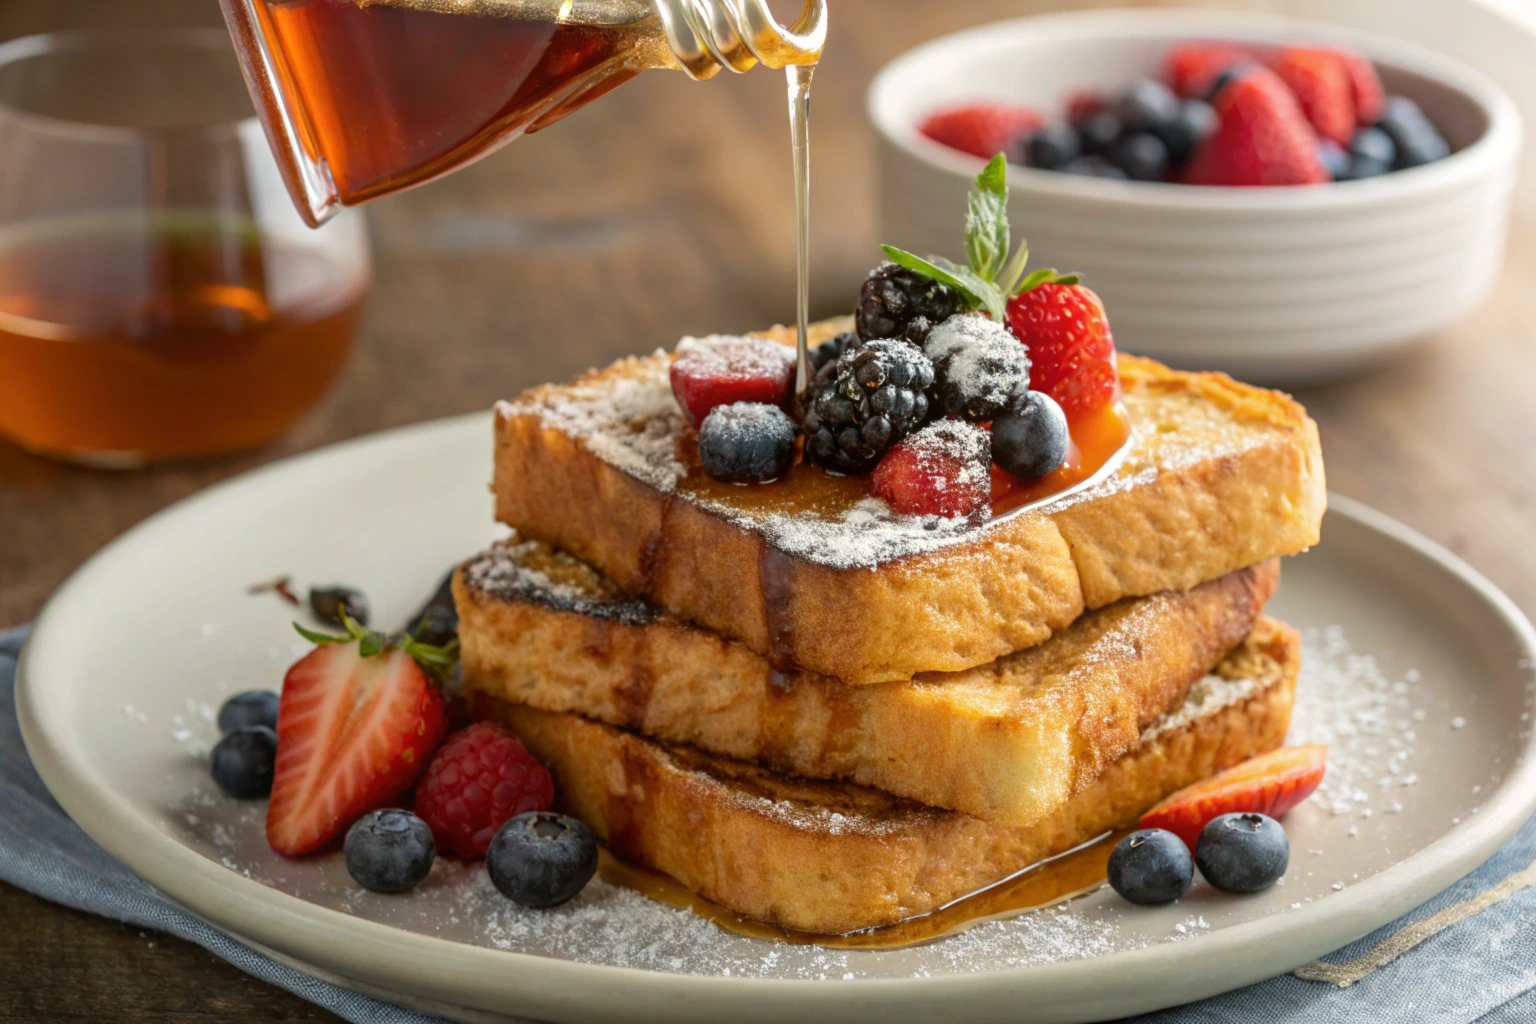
(893, 296)
(829, 350)
(979, 366)
(873, 398)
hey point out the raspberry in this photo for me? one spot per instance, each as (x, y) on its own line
(721, 370)
(1071, 350)
(980, 129)
(481, 778)
(942, 470)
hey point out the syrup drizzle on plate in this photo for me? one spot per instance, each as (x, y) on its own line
(1066, 876)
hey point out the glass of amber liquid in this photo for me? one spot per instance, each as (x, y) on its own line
(160, 298)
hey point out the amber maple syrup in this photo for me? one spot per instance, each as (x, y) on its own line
(393, 94)
(130, 339)
(1071, 874)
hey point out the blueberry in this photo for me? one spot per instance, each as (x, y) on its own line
(1098, 132)
(389, 850)
(330, 602)
(253, 707)
(1052, 146)
(1030, 439)
(1373, 144)
(1242, 852)
(1333, 158)
(746, 442)
(1147, 106)
(1415, 137)
(1194, 124)
(241, 763)
(1141, 155)
(437, 621)
(1364, 167)
(541, 859)
(1150, 866)
(1093, 167)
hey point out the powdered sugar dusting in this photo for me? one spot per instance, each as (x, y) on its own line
(1206, 697)
(629, 420)
(979, 358)
(734, 355)
(509, 572)
(943, 445)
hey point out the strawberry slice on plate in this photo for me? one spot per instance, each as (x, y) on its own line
(1269, 784)
(357, 723)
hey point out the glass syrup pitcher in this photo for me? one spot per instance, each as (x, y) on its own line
(362, 98)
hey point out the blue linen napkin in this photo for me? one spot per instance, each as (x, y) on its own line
(1465, 956)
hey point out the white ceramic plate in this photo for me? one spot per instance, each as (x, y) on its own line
(1423, 690)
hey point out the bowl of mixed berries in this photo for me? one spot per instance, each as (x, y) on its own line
(1279, 198)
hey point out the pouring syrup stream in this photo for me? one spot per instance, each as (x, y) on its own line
(799, 76)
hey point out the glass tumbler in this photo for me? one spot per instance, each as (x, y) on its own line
(160, 298)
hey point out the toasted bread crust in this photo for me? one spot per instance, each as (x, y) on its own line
(1010, 741)
(831, 858)
(1219, 476)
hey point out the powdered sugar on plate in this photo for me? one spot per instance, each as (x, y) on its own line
(1344, 699)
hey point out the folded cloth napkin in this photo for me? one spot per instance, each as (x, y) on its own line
(1464, 956)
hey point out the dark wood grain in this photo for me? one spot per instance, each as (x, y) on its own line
(665, 209)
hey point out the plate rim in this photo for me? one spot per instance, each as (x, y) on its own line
(502, 981)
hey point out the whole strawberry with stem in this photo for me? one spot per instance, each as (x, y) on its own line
(357, 722)
(1071, 348)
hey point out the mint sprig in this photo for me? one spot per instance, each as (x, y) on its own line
(992, 276)
(438, 661)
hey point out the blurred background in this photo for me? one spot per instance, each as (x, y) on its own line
(666, 209)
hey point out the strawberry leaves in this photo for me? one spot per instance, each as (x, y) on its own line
(992, 276)
(436, 661)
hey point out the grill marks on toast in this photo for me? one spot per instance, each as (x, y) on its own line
(830, 858)
(1007, 741)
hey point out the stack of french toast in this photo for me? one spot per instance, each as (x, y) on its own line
(820, 713)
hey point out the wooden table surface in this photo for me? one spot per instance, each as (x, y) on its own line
(662, 210)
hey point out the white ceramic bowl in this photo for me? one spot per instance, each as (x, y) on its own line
(1273, 284)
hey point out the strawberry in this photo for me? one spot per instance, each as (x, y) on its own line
(980, 129)
(1366, 91)
(358, 718)
(1191, 69)
(1269, 784)
(1071, 349)
(1322, 87)
(481, 778)
(1262, 137)
(1083, 104)
(722, 371)
(941, 470)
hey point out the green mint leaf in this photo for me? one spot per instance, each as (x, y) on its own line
(1008, 278)
(319, 638)
(982, 293)
(986, 219)
(918, 265)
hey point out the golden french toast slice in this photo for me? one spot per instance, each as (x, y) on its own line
(830, 858)
(1218, 476)
(1009, 741)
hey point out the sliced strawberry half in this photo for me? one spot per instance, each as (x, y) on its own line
(1269, 784)
(357, 724)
